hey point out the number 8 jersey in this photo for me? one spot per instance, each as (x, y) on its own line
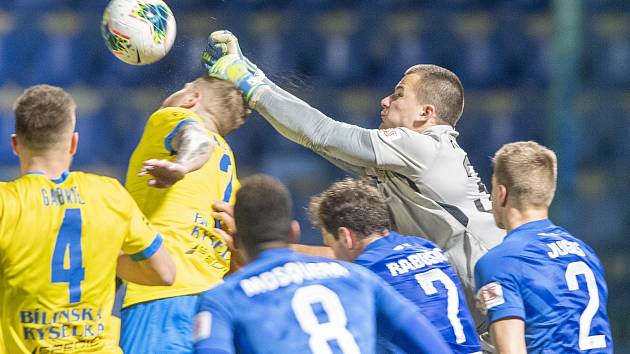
(554, 283)
(285, 302)
(59, 244)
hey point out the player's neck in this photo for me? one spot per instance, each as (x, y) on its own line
(51, 166)
(515, 217)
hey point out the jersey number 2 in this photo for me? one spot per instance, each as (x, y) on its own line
(426, 280)
(574, 269)
(320, 333)
(69, 242)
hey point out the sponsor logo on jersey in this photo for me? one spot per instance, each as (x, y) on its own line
(489, 296)
(390, 134)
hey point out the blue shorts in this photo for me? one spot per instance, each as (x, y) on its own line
(159, 326)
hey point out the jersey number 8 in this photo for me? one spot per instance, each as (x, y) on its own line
(320, 333)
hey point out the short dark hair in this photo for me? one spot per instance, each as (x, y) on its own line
(262, 212)
(441, 88)
(351, 203)
(43, 113)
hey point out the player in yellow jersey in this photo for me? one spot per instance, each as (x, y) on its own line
(183, 151)
(61, 235)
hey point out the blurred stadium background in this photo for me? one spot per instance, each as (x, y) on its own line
(557, 72)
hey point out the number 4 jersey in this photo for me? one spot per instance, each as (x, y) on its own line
(59, 244)
(285, 302)
(554, 283)
(419, 271)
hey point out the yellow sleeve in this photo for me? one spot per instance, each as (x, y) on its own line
(166, 122)
(142, 239)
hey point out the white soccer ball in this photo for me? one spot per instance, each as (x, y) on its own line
(138, 32)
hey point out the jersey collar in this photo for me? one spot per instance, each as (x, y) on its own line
(61, 179)
(532, 225)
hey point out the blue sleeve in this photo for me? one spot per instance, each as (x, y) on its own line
(169, 137)
(498, 290)
(213, 327)
(400, 323)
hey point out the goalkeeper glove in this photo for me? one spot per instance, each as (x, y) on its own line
(224, 60)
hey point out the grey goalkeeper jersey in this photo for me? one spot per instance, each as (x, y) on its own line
(430, 186)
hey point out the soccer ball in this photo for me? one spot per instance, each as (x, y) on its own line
(138, 32)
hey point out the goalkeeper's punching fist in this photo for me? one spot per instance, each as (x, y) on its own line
(223, 59)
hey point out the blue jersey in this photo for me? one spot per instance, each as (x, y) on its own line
(285, 302)
(419, 271)
(551, 280)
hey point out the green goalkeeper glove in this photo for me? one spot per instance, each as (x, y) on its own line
(224, 60)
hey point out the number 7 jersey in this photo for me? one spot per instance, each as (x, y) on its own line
(59, 244)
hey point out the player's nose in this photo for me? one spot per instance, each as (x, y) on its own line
(385, 102)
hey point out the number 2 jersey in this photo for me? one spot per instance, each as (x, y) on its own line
(59, 244)
(182, 212)
(420, 271)
(554, 283)
(285, 302)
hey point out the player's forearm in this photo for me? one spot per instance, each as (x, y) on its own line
(305, 125)
(509, 336)
(157, 270)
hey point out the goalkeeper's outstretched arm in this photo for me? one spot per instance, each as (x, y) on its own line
(349, 146)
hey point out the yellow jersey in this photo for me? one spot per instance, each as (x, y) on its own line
(59, 244)
(182, 212)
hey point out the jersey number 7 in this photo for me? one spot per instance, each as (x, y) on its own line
(69, 242)
(426, 280)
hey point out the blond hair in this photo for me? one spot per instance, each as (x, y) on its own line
(528, 170)
(441, 88)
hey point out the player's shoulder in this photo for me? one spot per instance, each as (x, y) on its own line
(168, 117)
(177, 112)
(503, 256)
(93, 179)
(393, 245)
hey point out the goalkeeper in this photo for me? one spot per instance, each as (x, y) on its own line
(429, 184)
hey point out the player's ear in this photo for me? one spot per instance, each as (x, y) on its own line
(14, 145)
(294, 233)
(192, 98)
(346, 237)
(502, 195)
(427, 111)
(74, 143)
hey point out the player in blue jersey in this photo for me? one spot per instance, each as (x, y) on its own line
(354, 221)
(285, 302)
(543, 289)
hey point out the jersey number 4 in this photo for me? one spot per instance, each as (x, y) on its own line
(574, 269)
(69, 269)
(320, 333)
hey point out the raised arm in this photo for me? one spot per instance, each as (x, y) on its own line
(347, 146)
(192, 147)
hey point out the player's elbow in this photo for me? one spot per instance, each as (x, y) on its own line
(166, 271)
(161, 270)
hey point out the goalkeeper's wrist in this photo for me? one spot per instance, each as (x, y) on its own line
(249, 85)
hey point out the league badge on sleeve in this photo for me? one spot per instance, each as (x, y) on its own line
(202, 326)
(489, 296)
